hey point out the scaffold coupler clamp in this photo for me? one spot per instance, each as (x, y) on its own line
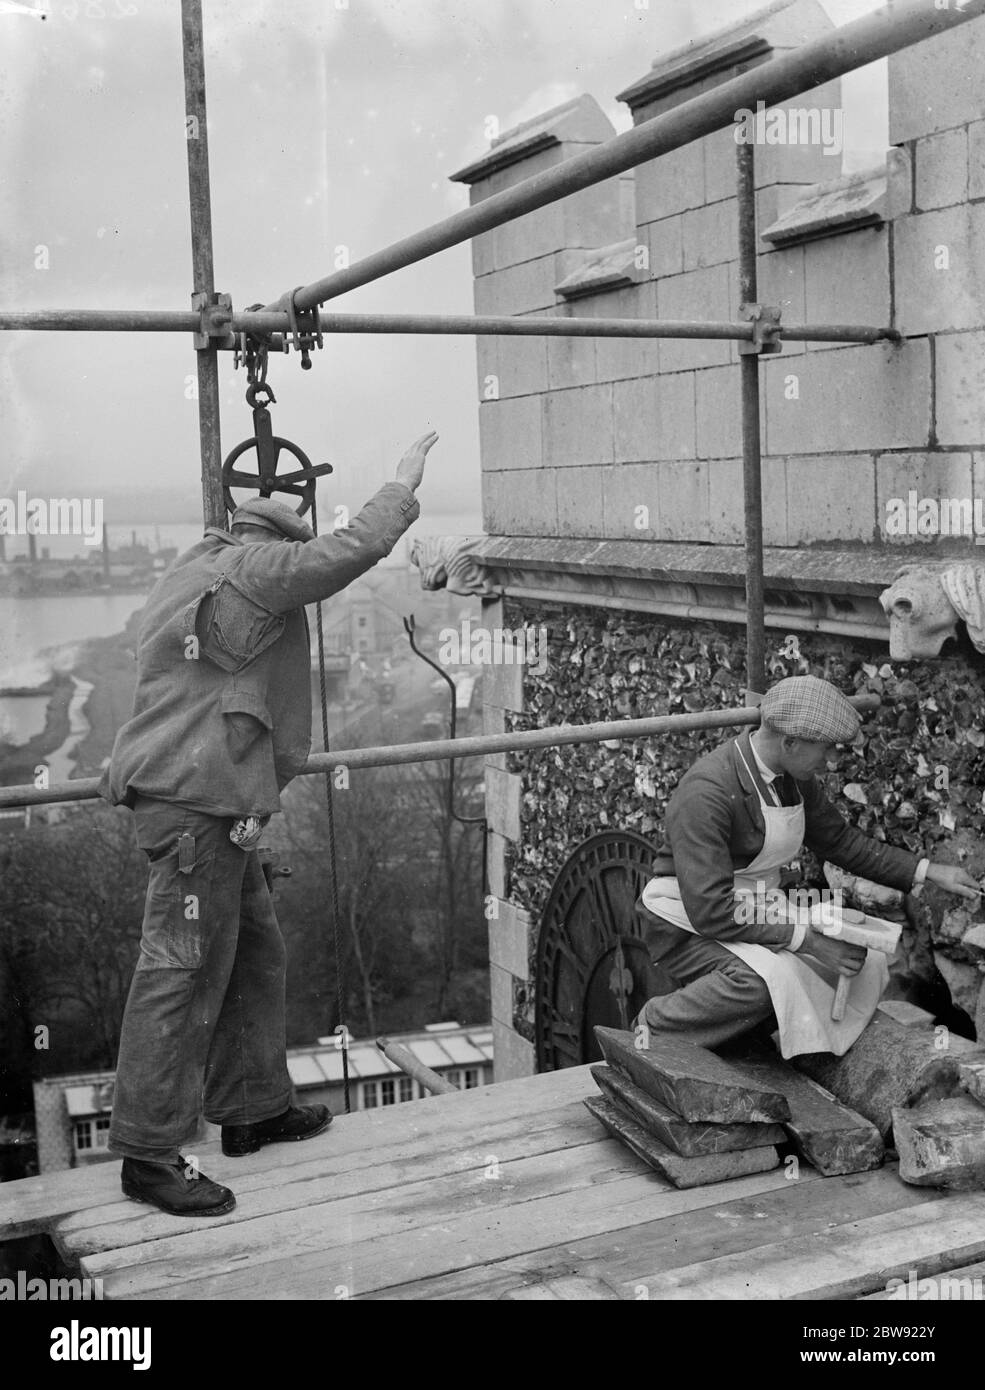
(215, 314)
(304, 326)
(765, 319)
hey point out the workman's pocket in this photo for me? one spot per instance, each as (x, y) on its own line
(231, 629)
(177, 915)
(247, 722)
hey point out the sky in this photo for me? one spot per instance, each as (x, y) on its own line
(330, 123)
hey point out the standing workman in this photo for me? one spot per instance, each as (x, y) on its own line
(739, 816)
(221, 724)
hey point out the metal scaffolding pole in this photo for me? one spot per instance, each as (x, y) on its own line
(275, 322)
(851, 46)
(199, 198)
(752, 484)
(435, 750)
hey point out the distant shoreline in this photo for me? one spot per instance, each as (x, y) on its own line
(107, 664)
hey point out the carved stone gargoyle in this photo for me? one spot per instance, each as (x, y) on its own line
(924, 604)
(444, 564)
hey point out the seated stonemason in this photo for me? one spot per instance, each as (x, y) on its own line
(736, 819)
(221, 724)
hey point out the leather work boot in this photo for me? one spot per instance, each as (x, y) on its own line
(178, 1188)
(297, 1122)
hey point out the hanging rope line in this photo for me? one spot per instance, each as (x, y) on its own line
(341, 1029)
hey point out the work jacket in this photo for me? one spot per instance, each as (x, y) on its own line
(714, 827)
(222, 710)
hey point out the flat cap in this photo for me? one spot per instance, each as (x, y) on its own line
(805, 707)
(274, 516)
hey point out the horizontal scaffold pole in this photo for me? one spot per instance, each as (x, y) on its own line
(851, 46)
(275, 321)
(436, 750)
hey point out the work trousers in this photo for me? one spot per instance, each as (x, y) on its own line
(719, 997)
(204, 1026)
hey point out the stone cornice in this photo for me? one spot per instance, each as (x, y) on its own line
(833, 591)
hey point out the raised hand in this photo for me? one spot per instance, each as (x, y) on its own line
(410, 469)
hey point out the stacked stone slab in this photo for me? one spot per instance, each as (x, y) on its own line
(697, 1118)
(688, 1114)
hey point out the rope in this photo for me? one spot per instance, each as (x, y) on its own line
(332, 851)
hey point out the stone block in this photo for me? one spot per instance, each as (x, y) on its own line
(579, 502)
(688, 1140)
(496, 867)
(681, 1172)
(683, 490)
(503, 801)
(654, 418)
(578, 426)
(887, 1066)
(976, 160)
(846, 280)
(570, 362)
(928, 475)
(710, 235)
(494, 722)
(830, 497)
(510, 433)
(899, 183)
(520, 364)
(487, 368)
(908, 1015)
(513, 1056)
(665, 244)
(670, 184)
(595, 216)
(690, 1080)
(941, 1143)
(865, 397)
(519, 289)
(726, 509)
(971, 1075)
(501, 994)
(812, 126)
(941, 163)
(620, 358)
(959, 371)
(520, 502)
(503, 685)
(509, 939)
(780, 282)
(626, 489)
(828, 1135)
(718, 412)
(936, 84)
(938, 258)
(697, 294)
(718, 152)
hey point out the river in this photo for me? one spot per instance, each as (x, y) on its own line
(42, 634)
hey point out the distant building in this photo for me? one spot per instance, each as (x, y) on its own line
(72, 1113)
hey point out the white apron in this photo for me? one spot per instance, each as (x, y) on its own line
(801, 989)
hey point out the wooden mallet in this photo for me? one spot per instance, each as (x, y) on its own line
(854, 927)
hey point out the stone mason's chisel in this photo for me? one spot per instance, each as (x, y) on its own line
(857, 929)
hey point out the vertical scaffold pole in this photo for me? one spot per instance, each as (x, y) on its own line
(200, 202)
(752, 484)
